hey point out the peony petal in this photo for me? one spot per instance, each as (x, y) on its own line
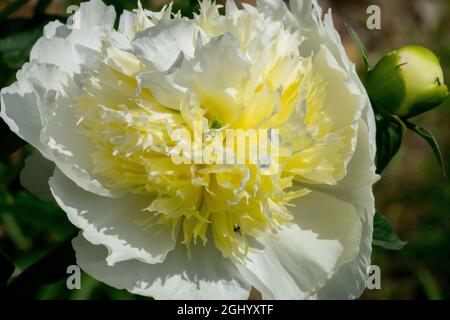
(323, 254)
(325, 234)
(114, 223)
(206, 276)
(20, 112)
(217, 74)
(56, 51)
(278, 10)
(321, 33)
(35, 176)
(349, 281)
(36, 108)
(71, 151)
(342, 98)
(93, 14)
(361, 168)
(165, 86)
(27, 102)
(163, 43)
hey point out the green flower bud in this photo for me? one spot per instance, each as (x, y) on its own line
(407, 82)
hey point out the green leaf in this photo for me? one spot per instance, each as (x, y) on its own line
(50, 269)
(6, 269)
(15, 49)
(428, 137)
(121, 5)
(19, 40)
(187, 7)
(44, 216)
(16, 25)
(362, 49)
(10, 143)
(383, 234)
(389, 139)
(15, 231)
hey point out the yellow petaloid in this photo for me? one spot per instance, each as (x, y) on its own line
(244, 72)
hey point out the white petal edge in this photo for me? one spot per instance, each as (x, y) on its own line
(349, 282)
(113, 223)
(206, 276)
(300, 260)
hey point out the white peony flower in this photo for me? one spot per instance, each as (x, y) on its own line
(102, 105)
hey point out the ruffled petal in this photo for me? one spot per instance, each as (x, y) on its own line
(93, 14)
(207, 275)
(118, 224)
(349, 281)
(324, 235)
(163, 43)
(28, 102)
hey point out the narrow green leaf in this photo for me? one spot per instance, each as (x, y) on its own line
(362, 49)
(89, 286)
(50, 269)
(428, 137)
(14, 231)
(389, 139)
(429, 284)
(383, 234)
(6, 269)
(45, 216)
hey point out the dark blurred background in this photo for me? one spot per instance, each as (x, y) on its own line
(412, 192)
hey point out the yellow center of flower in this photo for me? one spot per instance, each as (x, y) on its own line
(135, 139)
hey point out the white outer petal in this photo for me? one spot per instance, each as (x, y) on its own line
(320, 33)
(71, 151)
(342, 97)
(20, 112)
(35, 176)
(349, 281)
(27, 103)
(112, 222)
(298, 262)
(206, 276)
(38, 107)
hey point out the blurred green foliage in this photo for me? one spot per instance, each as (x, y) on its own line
(412, 192)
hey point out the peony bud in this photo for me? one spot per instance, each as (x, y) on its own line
(407, 82)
